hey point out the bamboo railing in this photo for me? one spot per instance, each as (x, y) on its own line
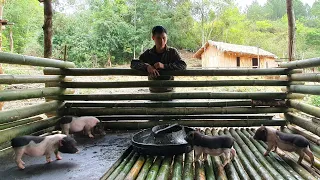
(25, 120)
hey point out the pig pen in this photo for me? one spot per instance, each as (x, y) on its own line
(230, 112)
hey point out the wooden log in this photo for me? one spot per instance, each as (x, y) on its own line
(249, 169)
(199, 171)
(198, 123)
(306, 108)
(127, 167)
(145, 169)
(10, 58)
(304, 123)
(261, 170)
(164, 83)
(170, 96)
(47, 28)
(188, 172)
(23, 79)
(177, 167)
(189, 72)
(164, 170)
(18, 123)
(305, 89)
(10, 95)
(172, 111)
(259, 156)
(291, 31)
(115, 173)
(117, 163)
(160, 104)
(308, 77)
(8, 134)
(307, 63)
(282, 167)
(20, 113)
(133, 174)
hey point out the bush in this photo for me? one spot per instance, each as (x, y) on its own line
(315, 100)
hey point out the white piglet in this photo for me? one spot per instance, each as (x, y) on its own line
(77, 124)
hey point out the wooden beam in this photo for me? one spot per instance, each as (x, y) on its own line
(305, 89)
(47, 28)
(291, 30)
(306, 63)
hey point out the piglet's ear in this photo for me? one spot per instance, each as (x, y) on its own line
(60, 143)
(262, 125)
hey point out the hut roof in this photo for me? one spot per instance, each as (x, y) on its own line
(235, 48)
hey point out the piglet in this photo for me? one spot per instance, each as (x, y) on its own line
(77, 124)
(39, 146)
(213, 145)
(286, 142)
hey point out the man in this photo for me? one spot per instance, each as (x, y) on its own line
(160, 57)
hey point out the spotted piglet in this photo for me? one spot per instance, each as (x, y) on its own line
(76, 124)
(40, 146)
(287, 142)
(212, 145)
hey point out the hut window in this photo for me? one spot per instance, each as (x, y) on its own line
(238, 61)
(255, 62)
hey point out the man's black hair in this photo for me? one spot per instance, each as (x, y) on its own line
(158, 30)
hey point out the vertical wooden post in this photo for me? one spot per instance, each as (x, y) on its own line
(47, 28)
(1, 18)
(291, 31)
(11, 38)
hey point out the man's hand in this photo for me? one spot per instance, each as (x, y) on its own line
(158, 65)
(152, 71)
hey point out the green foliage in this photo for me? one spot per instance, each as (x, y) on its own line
(96, 31)
(315, 100)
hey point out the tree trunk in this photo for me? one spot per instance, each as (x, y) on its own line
(47, 28)
(291, 30)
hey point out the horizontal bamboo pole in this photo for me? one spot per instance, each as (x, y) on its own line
(197, 123)
(20, 122)
(10, 58)
(170, 96)
(304, 123)
(164, 83)
(126, 169)
(177, 167)
(23, 79)
(133, 174)
(189, 72)
(8, 134)
(305, 89)
(308, 77)
(164, 170)
(171, 111)
(307, 63)
(306, 108)
(159, 104)
(199, 171)
(152, 174)
(179, 117)
(10, 95)
(20, 113)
